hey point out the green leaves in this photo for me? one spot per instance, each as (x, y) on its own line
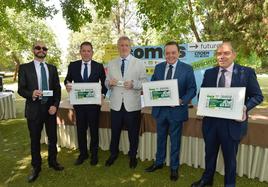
(76, 13)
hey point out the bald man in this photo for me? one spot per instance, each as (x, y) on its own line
(39, 84)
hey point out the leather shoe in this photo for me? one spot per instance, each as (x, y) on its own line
(174, 175)
(56, 166)
(110, 161)
(34, 174)
(80, 160)
(94, 161)
(154, 167)
(133, 162)
(201, 183)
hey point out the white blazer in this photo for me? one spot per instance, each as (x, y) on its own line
(131, 98)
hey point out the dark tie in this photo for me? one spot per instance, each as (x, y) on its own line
(123, 67)
(44, 81)
(85, 75)
(221, 82)
(169, 73)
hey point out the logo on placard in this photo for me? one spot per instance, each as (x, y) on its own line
(219, 102)
(160, 93)
(84, 93)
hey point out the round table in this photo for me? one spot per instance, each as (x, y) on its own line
(7, 105)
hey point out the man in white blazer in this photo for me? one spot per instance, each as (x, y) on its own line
(124, 79)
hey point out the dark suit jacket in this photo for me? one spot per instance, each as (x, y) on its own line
(97, 74)
(242, 77)
(187, 89)
(28, 82)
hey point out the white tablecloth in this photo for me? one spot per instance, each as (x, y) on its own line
(252, 160)
(7, 105)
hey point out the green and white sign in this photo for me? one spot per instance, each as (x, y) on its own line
(219, 102)
(85, 94)
(222, 102)
(161, 93)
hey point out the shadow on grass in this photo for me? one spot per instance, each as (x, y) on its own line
(15, 164)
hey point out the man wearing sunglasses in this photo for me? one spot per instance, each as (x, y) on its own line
(39, 84)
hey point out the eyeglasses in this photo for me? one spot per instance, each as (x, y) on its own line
(39, 48)
(225, 53)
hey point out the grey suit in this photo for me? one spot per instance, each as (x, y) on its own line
(125, 104)
(131, 98)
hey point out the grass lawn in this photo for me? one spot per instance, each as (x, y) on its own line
(15, 166)
(15, 163)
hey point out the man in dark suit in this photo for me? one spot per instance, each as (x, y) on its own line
(227, 133)
(37, 79)
(86, 70)
(170, 118)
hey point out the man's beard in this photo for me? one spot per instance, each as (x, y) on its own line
(40, 55)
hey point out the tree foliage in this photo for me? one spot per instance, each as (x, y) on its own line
(174, 19)
(104, 30)
(244, 22)
(17, 40)
(240, 21)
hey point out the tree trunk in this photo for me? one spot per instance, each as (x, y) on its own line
(264, 61)
(192, 23)
(17, 64)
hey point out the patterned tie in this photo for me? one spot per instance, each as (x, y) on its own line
(221, 82)
(169, 73)
(44, 82)
(123, 67)
(85, 75)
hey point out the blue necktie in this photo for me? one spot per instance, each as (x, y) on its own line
(85, 75)
(169, 73)
(123, 67)
(44, 81)
(221, 82)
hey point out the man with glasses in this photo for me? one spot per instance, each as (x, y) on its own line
(39, 84)
(227, 133)
(87, 116)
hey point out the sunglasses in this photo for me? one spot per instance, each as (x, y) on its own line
(39, 48)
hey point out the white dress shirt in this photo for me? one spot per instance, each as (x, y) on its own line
(173, 69)
(228, 75)
(126, 63)
(38, 73)
(88, 68)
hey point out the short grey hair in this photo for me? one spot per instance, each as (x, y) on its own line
(226, 43)
(123, 38)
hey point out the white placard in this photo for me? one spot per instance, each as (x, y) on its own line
(47, 93)
(222, 102)
(85, 93)
(120, 83)
(161, 93)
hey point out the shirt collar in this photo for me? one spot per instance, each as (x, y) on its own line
(174, 65)
(88, 63)
(229, 69)
(127, 58)
(38, 63)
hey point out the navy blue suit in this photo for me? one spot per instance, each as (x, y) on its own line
(170, 119)
(227, 133)
(87, 115)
